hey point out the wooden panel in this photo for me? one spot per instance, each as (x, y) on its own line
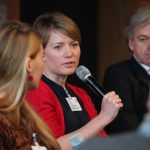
(13, 8)
(112, 47)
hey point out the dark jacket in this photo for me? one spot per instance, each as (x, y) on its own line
(130, 81)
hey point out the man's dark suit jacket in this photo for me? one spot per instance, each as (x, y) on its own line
(130, 81)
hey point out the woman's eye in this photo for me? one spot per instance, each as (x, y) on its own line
(75, 44)
(57, 47)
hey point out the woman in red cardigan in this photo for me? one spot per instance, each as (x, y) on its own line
(67, 109)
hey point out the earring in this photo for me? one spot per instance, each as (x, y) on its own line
(30, 78)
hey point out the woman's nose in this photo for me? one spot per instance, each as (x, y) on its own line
(68, 51)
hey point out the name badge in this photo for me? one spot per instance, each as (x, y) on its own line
(38, 148)
(73, 103)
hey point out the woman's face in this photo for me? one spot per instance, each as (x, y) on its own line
(37, 65)
(61, 54)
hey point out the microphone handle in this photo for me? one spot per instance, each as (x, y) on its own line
(95, 86)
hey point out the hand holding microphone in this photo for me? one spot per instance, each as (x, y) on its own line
(111, 102)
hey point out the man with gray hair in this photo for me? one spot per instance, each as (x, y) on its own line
(130, 78)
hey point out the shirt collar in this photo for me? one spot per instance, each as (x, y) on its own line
(145, 67)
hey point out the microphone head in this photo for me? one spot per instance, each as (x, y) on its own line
(82, 72)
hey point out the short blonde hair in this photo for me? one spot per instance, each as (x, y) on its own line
(56, 21)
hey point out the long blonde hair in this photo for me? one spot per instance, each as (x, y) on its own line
(17, 41)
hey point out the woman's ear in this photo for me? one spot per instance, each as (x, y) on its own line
(29, 65)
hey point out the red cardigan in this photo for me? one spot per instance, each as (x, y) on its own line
(46, 103)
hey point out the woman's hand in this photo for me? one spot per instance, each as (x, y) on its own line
(111, 104)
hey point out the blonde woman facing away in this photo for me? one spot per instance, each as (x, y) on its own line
(21, 66)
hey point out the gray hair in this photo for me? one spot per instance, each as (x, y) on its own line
(140, 17)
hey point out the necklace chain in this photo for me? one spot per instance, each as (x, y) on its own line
(67, 93)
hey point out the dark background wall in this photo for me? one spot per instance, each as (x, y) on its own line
(84, 13)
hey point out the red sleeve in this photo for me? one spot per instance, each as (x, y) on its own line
(46, 105)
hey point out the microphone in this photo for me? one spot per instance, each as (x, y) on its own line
(84, 74)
